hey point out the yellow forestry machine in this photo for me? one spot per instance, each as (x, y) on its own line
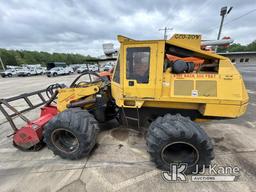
(161, 85)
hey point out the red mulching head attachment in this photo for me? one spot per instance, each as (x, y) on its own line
(30, 136)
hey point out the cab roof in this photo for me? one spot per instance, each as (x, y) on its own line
(187, 41)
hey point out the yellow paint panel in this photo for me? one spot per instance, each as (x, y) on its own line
(192, 40)
(206, 88)
(183, 87)
(221, 110)
(67, 95)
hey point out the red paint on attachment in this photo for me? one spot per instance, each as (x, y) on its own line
(32, 133)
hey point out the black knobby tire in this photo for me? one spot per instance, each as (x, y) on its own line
(9, 75)
(177, 139)
(54, 75)
(71, 134)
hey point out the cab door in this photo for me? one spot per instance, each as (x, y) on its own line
(140, 70)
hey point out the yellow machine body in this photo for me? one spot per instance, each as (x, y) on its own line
(69, 95)
(220, 92)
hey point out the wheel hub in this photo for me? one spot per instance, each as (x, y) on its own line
(180, 152)
(64, 140)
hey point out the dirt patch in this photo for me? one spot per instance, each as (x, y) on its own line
(219, 144)
(218, 139)
(120, 134)
(228, 144)
(222, 148)
(248, 165)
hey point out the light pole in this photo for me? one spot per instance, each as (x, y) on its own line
(2, 63)
(165, 31)
(223, 12)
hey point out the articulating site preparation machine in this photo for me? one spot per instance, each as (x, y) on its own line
(157, 84)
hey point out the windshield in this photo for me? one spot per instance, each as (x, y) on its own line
(116, 77)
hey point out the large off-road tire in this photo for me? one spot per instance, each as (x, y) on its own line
(71, 134)
(177, 139)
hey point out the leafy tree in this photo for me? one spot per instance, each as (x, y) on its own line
(251, 46)
(236, 47)
(19, 57)
(7, 57)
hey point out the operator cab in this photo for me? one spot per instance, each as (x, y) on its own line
(176, 73)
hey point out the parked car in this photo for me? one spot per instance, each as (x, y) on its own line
(90, 68)
(40, 70)
(59, 71)
(9, 72)
(26, 72)
(82, 69)
(107, 67)
(93, 68)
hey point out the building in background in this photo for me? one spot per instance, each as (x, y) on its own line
(248, 57)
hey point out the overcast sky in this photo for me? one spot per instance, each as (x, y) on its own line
(81, 26)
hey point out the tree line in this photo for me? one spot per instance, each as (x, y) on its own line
(19, 57)
(236, 47)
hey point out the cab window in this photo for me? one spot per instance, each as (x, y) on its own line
(116, 77)
(137, 64)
